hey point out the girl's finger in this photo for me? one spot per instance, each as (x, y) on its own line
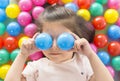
(75, 36)
(36, 34)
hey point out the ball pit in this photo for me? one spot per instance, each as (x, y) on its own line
(103, 14)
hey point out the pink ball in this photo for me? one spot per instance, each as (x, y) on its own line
(39, 2)
(25, 5)
(94, 47)
(111, 70)
(114, 4)
(118, 22)
(36, 11)
(36, 56)
(24, 18)
(30, 30)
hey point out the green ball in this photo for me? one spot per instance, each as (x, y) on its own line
(1, 80)
(14, 54)
(116, 63)
(96, 9)
(4, 56)
(102, 1)
(2, 28)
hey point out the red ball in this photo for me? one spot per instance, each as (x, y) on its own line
(10, 43)
(100, 40)
(114, 48)
(99, 23)
(1, 42)
(52, 1)
(84, 4)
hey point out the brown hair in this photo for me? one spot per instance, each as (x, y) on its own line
(69, 19)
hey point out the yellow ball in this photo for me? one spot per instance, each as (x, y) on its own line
(21, 40)
(84, 13)
(66, 1)
(111, 16)
(3, 70)
(12, 11)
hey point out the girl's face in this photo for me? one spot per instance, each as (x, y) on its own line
(54, 53)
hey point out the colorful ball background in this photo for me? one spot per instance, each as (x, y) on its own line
(104, 15)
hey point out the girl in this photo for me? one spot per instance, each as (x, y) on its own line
(78, 64)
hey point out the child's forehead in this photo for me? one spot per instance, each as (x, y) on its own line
(54, 29)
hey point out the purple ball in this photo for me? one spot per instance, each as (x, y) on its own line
(39, 2)
(30, 29)
(25, 5)
(118, 22)
(24, 18)
(114, 4)
(36, 11)
(111, 70)
(94, 47)
(36, 55)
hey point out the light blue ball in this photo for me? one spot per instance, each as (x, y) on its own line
(43, 41)
(72, 6)
(4, 3)
(2, 15)
(14, 29)
(104, 57)
(65, 41)
(114, 32)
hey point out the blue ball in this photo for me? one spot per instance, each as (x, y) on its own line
(43, 41)
(14, 29)
(4, 3)
(104, 57)
(2, 15)
(65, 41)
(72, 6)
(114, 32)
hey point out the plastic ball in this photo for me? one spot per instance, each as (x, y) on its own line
(38, 2)
(114, 32)
(10, 43)
(118, 22)
(43, 41)
(114, 48)
(21, 40)
(66, 1)
(99, 23)
(3, 70)
(1, 42)
(2, 15)
(94, 47)
(72, 6)
(111, 70)
(2, 28)
(25, 5)
(100, 40)
(4, 56)
(4, 3)
(102, 1)
(37, 11)
(111, 16)
(14, 29)
(116, 63)
(30, 30)
(65, 41)
(84, 13)
(104, 57)
(115, 4)
(12, 11)
(52, 1)
(24, 18)
(84, 4)
(14, 54)
(36, 56)
(96, 9)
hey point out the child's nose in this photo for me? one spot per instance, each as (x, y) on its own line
(54, 45)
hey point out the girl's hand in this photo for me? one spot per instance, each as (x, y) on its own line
(82, 45)
(28, 46)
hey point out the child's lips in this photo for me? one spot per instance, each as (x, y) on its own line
(54, 53)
